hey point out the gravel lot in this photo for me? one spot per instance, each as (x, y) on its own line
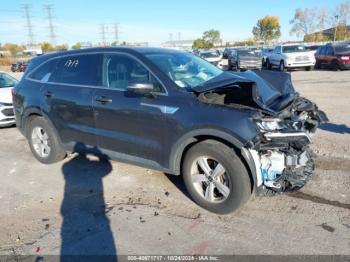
(99, 207)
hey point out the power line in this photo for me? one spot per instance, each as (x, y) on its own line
(49, 9)
(29, 26)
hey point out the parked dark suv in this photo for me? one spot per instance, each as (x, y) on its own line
(228, 134)
(335, 56)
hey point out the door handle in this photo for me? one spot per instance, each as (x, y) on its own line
(48, 94)
(104, 100)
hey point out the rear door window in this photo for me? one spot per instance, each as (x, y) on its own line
(44, 71)
(82, 69)
(329, 50)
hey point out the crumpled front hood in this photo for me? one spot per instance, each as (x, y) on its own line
(270, 90)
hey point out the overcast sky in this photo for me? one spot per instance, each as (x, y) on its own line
(147, 20)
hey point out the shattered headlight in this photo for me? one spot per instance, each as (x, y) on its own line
(270, 124)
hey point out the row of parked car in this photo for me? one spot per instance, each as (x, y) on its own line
(283, 57)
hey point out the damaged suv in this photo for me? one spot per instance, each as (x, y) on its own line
(228, 134)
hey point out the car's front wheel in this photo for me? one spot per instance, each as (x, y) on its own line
(281, 67)
(43, 141)
(215, 177)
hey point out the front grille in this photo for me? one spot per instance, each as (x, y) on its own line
(8, 112)
(302, 58)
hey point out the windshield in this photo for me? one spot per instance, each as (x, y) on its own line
(186, 70)
(209, 54)
(7, 80)
(293, 49)
(248, 53)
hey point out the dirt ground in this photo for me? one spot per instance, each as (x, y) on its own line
(90, 206)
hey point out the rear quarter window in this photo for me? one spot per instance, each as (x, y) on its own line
(43, 71)
(79, 70)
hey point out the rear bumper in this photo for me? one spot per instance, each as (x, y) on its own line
(345, 66)
(7, 116)
(299, 64)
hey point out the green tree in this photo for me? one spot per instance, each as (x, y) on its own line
(212, 36)
(248, 42)
(14, 49)
(47, 47)
(267, 29)
(200, 44)
(76, 45)
(62, 47)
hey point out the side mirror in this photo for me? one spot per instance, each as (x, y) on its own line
(141, 88)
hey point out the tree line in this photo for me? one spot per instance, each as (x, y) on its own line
(307, 24)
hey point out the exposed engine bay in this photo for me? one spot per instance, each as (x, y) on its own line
(283, 160)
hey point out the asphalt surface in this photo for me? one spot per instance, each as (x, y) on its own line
(91, 206)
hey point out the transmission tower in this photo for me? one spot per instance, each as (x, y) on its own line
(103, 34)
(116, 33)
(49, 17)
(29, 25)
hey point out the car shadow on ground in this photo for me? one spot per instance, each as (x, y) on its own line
(86, 234)
(179, 183)
(335, 128)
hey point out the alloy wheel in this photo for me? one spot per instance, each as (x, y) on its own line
(210, 180)
(41, 142)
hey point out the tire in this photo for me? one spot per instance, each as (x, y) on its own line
(268, 64)
(309, 68)
(317, 65)
(237, 67)
(235, 178)
(229, 67)
(53, 151)
(335, 66)
(281, 67)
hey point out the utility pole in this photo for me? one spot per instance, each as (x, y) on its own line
(49, 9)
(179, 36)
(116, 33)
(335, 28)
(103, 34)
(29, 25)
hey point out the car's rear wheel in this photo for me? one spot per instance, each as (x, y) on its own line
(335, 65)
(215, 177)
(43, 141)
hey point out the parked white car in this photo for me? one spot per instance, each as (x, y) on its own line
(290, 56)
(7, 82)
(212, 56)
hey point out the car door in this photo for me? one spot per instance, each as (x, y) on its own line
(318, 55)
(329, 56)
(67, 98)
(130, 126)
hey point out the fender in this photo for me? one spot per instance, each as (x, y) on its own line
(190, 137)
(36, 111)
